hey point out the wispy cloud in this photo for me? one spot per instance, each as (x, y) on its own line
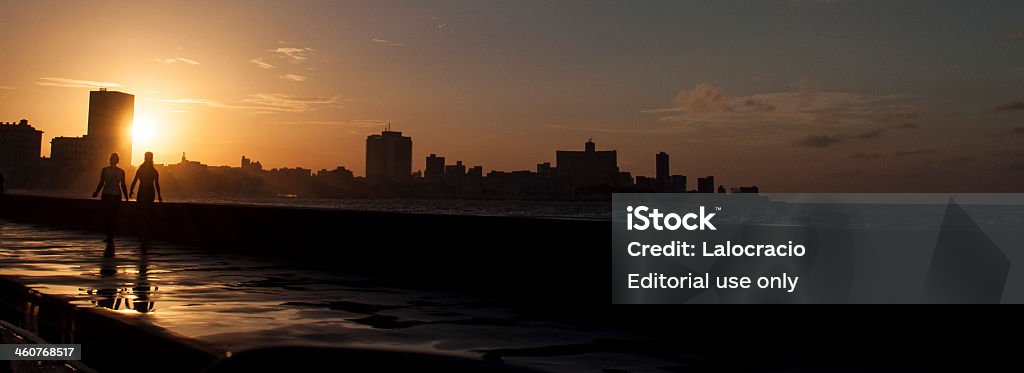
(263, 103)
(909, 153)
(820, 141)
(171, 61)
(6, 87)
(804, 110)
(866, 156)
(74, 83)
(1010, 106)
(872, 134)
(387, 42)
(293, 77)
(293, 54)
(283, 102)
(361, 123)
(259, 62)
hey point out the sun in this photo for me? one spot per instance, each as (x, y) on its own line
(144, 129)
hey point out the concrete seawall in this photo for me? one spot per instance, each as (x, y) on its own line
(114, 343)
(548, 260)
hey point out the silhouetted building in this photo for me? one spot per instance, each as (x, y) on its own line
(453, 174)
(588, 167)
(110, 125)
(706, 184)
(435, 167)
(70, 150)
(662, 174)
(746, 189)
(721, 189)
(250, 166)
(20, 143)
(678, 184)
(388, 156)
(544, 168)
(475, 172)
(646, 184)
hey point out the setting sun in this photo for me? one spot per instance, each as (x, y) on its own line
(144, 129)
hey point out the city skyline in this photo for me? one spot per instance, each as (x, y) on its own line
(825, 95)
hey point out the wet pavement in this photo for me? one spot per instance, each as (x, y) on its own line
(238, 302)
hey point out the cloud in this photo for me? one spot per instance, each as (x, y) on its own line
(361, 123)
(293, 77)
(6, 87)
(804, 110)
(908, 153)
(1010, 106)
(866, 156)
(296, 55)
(704, 98)
(820, 141)
(259, 62)
(74, 83)
(171, 61)
(872, 134)
(387, 42)
(283, 102)
(263, 103)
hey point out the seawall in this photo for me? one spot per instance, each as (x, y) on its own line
(525, 258)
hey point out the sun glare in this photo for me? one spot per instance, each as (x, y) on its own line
(143, 129)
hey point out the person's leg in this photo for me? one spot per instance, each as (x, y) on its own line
(110, 209)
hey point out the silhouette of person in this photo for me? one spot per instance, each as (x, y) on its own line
(150, 179)
(3, 184)
(113, 187)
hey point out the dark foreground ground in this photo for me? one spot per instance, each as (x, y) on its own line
(530, 292)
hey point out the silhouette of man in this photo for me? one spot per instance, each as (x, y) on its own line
(150, 179)
(113, 187)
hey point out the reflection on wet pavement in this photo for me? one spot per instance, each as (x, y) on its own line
(241, 302)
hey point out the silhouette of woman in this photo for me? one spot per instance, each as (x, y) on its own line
(113, 187)
(150, 182)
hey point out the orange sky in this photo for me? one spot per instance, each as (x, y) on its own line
(816, 97)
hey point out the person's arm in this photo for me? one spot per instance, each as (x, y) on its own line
(131, 190)
(156, 181)
(124, 187)
(98, 186)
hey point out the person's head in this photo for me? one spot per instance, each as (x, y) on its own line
(114, 158)
(149, 157)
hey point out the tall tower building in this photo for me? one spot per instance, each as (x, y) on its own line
(388, 156)
(110, 125)
(662, 176)
(435, 167)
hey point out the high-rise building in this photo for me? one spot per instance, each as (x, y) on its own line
(110, 125)
(662, 176)
(706, 184)
(388, 156)
(435, 167)
(20, 143)
(588, 167)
